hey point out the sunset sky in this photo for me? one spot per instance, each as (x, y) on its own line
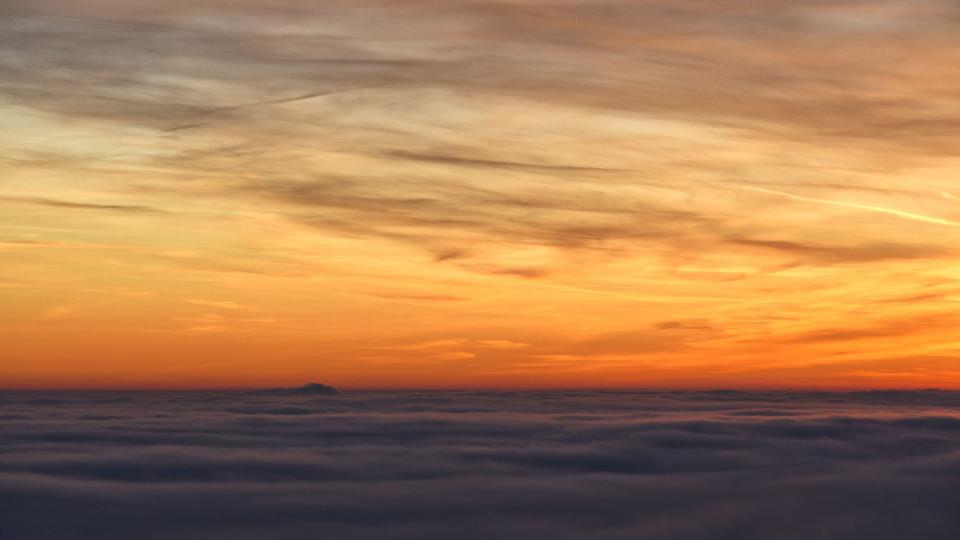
(479, 193)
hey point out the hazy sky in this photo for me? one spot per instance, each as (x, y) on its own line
(391, 193)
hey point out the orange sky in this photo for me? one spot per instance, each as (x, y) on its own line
(479, 193)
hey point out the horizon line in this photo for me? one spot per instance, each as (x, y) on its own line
(804, 389)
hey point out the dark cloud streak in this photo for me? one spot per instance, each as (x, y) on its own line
(57, 203)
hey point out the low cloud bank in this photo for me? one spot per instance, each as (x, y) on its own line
(478, 465)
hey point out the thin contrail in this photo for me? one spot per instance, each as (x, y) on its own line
(878, 209)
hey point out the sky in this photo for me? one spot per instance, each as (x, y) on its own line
(479, 193)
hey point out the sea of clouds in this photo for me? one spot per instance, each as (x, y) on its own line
(480, 465)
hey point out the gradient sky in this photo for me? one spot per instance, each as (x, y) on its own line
(468, 193)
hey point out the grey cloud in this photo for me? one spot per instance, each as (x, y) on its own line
(684, 61)
(57, 203)
(490, 163)
(691, 324)
(568, 218)
(846, 254)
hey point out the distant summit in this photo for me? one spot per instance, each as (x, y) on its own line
(316, 388)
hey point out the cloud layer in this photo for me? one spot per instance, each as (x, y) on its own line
(568, 465)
